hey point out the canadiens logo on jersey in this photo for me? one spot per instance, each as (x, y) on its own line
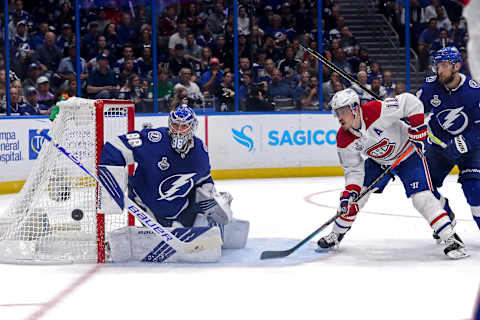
(453, 120)
(435, 101)
(178, 185)
(381, 150)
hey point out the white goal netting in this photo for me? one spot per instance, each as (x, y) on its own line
(54, 219)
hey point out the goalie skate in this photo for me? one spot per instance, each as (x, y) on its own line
(331, 240)
(455, 248)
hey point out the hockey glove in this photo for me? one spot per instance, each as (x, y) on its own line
(457, 147)
(347, 205)
(418, 136)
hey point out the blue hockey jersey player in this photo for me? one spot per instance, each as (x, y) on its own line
(171, 181)
(453, 99)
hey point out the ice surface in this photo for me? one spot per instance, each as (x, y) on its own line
(388, 267)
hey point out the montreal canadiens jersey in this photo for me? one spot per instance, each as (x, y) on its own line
(382, 136)
(454, 111)
(162, 179)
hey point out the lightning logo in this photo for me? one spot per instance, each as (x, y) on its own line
(178, 185)
(453, 120)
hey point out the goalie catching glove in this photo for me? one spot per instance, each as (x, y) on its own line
(348, 206)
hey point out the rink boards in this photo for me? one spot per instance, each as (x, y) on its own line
(240, 146)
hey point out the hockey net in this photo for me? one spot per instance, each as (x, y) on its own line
(55, 217)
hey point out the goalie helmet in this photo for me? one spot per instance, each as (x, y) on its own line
(448, 54)
(347, 97)
(182, 124)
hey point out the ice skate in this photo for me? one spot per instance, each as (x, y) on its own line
(455, 248)
(331, 240)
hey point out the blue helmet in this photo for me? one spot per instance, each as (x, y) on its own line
(182, 124)
(448, 54)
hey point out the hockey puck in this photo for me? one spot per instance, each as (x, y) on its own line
(77, 214)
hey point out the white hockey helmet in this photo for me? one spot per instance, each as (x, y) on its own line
(347, 97)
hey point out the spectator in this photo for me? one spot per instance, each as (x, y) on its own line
(15, 102)
(258, 99)
(309, 96)
(465, 68)
(71, 88)
(378, 89)
(375, 72)
(102, 20)
(40, 36)
(66, 15)
(206, 39)
(329, 88)
(67, 69)
(399, 88)
(244, 88)
(111, 37)
(179, 97)
(180, 37)
(430, 10)
(212, 78)
(165, 87)
(43, 91)
(223, 53)
(244, 66)
(340, 60)
(362, 78)
(274, 49)
(348, 42)
(225, 93)
(102, 83)
(388, 83)
(243, 21)
(278, 88)
(425, 41)
(168, 23)
(194, 95)
(100, 48)
(244, 48)
(288, 65)
(31, 107)
(302, 86)
(268, 71)
(177, 61)
(443, 22)
(192, 49)
(259, 65)
(145, 62)
(65, 39)
(205, 60)
(128, 70)
(191, 17)
(127, 55)
(217, 20)
(133, 91)
(276, 30)
(89, 39)
(33, 73)
(47, 54)
(145, 39)
(125, 30)
(441, 42)
(2, 86)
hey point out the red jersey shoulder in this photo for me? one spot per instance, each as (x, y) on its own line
(344, 138)
(371, 111)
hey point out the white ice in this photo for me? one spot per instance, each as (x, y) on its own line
(388, 267)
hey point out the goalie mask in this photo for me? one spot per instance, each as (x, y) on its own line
(344, 98)
(182, 124)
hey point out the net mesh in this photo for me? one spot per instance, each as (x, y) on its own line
(54, 217)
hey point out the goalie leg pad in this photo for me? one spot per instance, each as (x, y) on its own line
(431, 209)
(142, 244)
(235, 234)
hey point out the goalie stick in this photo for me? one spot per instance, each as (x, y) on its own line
(353, 80)
(284, 253)
(144, 217)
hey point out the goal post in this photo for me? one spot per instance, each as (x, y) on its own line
(56, 217)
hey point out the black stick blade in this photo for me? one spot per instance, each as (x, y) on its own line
(274, 254)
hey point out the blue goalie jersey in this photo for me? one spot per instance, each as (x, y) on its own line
(454, 112)
(162, 179)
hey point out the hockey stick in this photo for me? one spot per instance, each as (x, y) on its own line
(355, 81)
(177, 244)
(284, 253)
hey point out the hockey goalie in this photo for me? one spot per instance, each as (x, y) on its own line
(172, 183)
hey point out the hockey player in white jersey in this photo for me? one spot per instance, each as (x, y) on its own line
(172, 182)
(375, 131)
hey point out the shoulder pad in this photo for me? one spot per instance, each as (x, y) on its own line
(473, 84)
(431, 79)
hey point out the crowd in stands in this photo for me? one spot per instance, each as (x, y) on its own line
(195, 53)
(434, 24)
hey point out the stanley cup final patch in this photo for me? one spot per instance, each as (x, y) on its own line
(435, 101)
